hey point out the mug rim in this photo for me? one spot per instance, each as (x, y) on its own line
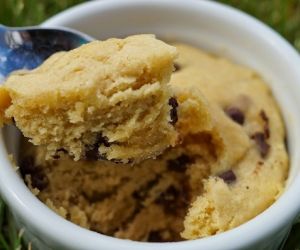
(57, 229)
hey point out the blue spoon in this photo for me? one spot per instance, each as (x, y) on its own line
(28, 47)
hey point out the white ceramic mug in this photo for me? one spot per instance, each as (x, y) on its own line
(209, 25)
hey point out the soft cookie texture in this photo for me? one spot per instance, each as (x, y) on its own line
(253, 171)
(230, 163)
(105, 99)
(145, 202)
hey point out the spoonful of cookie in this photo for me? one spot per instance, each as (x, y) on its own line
(89, 99)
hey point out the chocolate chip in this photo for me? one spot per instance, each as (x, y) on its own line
(263, 146)
(92, 154)
(173, 200)
(103, 140)
(263, 115)
(130, 218)
(74, 199)
(168, 197)
(173, 102)
(138, 195)
(27, 166)
(177, 67)
(92, 151)
(228, 176)
(117, 161)
(155, 236)
(55, 157)
(186, 191)
(142, 193)
(179, 164)
(174, 117)
(39, 179)
(122, 161)
(97, 196)
(235, 114)
(62, 150)
(265, 118)
(267, 131)
(173, 112)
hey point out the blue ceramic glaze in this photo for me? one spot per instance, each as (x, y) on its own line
(27, 48)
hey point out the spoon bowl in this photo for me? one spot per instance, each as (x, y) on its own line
(28, 47)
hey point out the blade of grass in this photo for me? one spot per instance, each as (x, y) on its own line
(293, 242)
(2, 212)
(3, 244)
(15, 237)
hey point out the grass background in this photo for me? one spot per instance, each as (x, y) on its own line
(282, 15)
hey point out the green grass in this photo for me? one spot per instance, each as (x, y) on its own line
(31, 12)
(10, 237)
(282, 15)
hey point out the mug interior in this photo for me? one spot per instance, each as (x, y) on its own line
(219, 30)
